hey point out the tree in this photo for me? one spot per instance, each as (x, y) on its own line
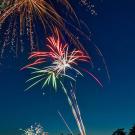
(119, 132)
(132, 131)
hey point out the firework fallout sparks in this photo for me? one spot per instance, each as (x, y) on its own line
(22, 18)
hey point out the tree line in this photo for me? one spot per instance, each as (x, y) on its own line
(121, 131)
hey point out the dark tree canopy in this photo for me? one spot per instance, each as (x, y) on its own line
(119, 132)
(132, 131)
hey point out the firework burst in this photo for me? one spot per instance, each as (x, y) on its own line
(62, 60)
(36, 129)
(21, 18)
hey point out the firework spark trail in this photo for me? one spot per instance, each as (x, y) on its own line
(65, 123)
(75, 105)
(104, 62)
(75, 113)
(89, 6)
(93, 76)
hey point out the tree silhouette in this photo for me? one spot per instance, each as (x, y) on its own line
(132, 131)
(119, 132)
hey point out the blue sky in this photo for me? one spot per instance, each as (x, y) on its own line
(103, 109)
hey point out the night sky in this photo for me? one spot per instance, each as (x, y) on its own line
(103, 109)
